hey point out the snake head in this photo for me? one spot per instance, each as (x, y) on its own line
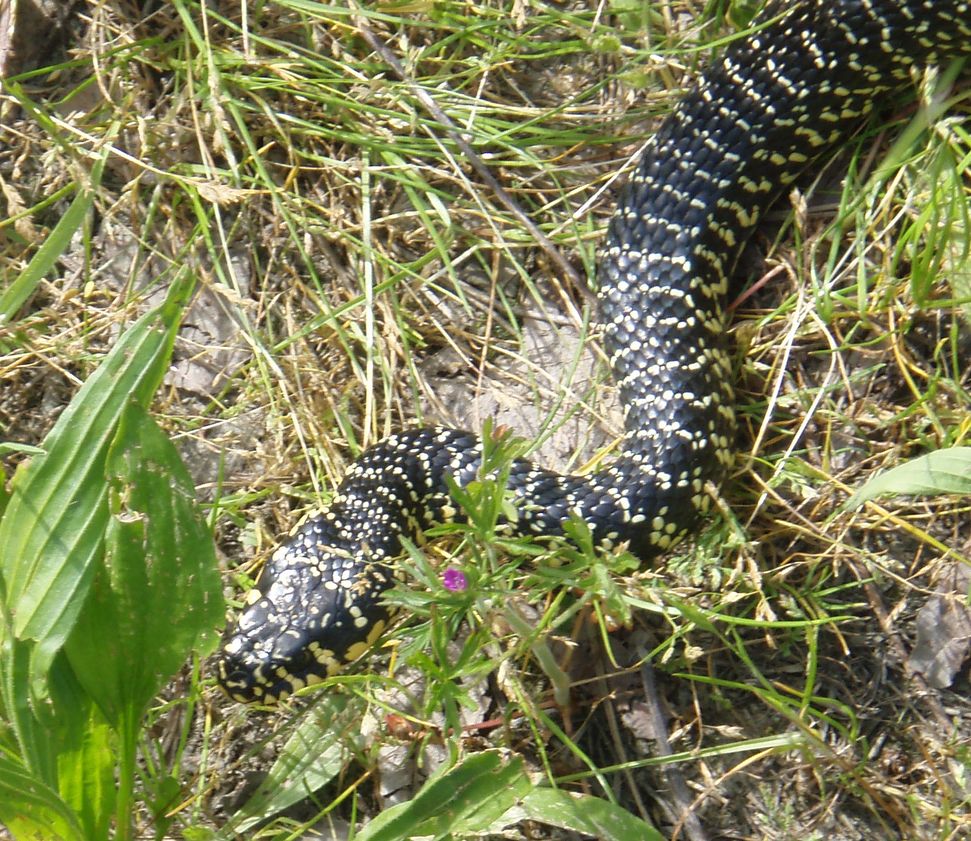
(315, 609)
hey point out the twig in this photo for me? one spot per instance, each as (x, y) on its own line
(682, 797)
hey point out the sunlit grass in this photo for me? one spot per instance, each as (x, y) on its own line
(362, 276)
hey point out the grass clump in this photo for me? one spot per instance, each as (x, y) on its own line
(356, 274)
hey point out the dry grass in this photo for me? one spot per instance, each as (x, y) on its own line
(358, 276)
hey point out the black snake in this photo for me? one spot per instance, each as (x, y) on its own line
(768, 107)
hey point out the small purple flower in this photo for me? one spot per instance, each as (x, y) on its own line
(454, 580)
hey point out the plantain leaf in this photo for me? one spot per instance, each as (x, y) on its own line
(158, 595)
(466, 799)
(314, 754)
(30, 809)
(587, 815)
(945, 471)
(53, 526)
(86, 762)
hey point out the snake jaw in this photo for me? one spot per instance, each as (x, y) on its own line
(305, 625)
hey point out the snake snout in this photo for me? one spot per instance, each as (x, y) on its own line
(281, 643)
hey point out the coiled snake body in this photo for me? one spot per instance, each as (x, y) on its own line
(772, 104)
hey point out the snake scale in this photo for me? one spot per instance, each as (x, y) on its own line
(768, 107)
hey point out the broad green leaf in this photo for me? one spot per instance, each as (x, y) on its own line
(36, 750)
(945, 471)
(586, 814)
(53, 527)
(467, 798)
(29, 809)
(49, 728)
(86, 768)
(158, 594)
(313, 755)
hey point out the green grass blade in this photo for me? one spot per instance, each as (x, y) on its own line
(53, 526)
(54, 246)
(4, 493)
(946, 471)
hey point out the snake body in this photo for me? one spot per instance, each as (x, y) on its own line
(772, 104)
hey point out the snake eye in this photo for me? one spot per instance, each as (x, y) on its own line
(238, 681)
